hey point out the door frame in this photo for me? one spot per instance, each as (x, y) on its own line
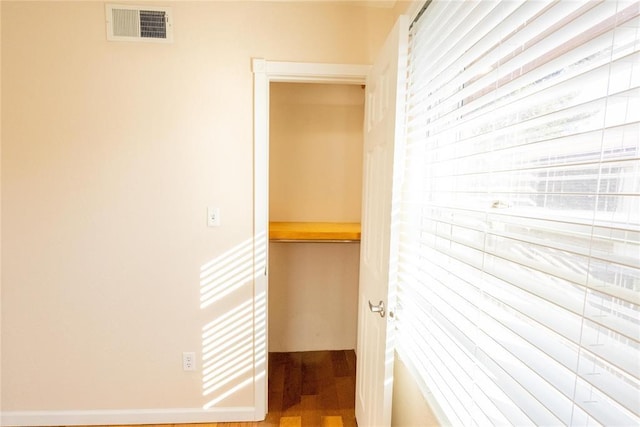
(265, 72)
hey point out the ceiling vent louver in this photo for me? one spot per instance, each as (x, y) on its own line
(139, 23)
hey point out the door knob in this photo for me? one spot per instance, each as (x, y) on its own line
(377, 308)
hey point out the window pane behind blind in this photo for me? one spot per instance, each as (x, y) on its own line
(519, 269)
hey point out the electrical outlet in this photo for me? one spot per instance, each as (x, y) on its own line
(188, 361)
(213, 217)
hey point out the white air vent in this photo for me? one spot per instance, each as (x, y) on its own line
(139, 23)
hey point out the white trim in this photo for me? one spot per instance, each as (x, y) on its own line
(260, 227)
(265, 72)
(133, 416)
(413, 9)
(292, 72)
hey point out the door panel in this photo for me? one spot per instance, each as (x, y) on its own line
(384, 121)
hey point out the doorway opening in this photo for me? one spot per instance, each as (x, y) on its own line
(315, 176)
(311, 287)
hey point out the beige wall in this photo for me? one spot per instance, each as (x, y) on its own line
(0, 206)
(315, 175)
(313, 296)
(409, 408)
(111, 153)
(315, 153)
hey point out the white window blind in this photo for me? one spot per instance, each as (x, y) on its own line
(519, 268)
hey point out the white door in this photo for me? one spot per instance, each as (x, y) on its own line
(383, 135)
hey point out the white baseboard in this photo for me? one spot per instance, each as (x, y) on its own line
(133, 416)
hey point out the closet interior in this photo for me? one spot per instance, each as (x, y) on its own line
(315, 191)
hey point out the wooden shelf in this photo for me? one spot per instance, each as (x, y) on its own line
(314, 231)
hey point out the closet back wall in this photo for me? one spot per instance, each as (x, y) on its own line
(315, 175)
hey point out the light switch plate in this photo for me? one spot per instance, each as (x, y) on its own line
(213, 217)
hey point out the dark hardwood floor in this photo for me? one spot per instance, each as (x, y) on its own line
(318, 387)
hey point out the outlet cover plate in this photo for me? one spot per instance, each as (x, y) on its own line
(188, 361)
